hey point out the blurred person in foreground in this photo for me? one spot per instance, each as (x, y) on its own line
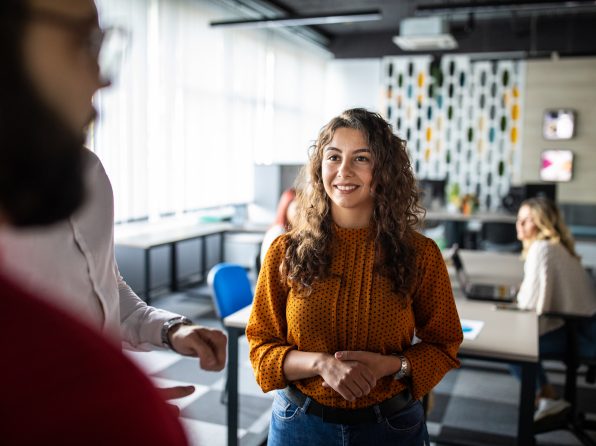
(64, 382)
(73, 260)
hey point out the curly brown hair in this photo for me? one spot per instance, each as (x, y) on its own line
(395, 214)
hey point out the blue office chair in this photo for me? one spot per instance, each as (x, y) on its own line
(231, 291)
(230, 288)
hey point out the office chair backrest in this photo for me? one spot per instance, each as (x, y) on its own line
(230, 288)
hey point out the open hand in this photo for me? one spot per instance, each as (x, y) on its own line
(172, 393)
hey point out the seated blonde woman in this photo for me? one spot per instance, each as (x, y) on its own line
(554, 281)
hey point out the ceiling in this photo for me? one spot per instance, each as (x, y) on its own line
(534, 28)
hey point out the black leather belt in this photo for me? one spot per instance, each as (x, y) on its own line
(350, 416)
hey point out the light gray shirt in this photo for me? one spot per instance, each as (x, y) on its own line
(555, 281)
(72, 264)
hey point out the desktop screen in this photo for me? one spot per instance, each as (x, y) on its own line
(548, 190)
(432, 193)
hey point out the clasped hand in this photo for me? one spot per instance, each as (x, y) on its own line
(353, 374)
(206, 343)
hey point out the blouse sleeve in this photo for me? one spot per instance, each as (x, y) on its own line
(437, 324)
(267, 326)
(536, 291)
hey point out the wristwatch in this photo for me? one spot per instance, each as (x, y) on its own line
(168, 325)
(404, 369)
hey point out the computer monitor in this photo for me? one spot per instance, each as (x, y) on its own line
(432, 193)
(548, 190)
(517, 194)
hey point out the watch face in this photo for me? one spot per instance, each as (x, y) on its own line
(403, 370)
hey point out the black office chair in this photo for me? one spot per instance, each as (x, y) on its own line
(575, 326)
(499, 236)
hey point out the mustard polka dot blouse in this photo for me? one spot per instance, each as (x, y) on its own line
(355, 309)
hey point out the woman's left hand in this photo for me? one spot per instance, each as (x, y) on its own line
(380, 365)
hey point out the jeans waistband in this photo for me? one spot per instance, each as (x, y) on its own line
(368, 414)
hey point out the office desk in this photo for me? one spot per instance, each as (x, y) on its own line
(236, 325)
(507, 336)
(171, 237)
(504, 338)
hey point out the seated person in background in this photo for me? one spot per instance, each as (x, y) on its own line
(286, 212)
(554, 281)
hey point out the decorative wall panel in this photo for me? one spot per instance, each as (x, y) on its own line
(461, 118)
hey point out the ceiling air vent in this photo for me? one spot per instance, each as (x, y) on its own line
(423, 34)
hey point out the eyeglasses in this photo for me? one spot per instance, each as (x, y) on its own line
(105, 45)
(111, 52)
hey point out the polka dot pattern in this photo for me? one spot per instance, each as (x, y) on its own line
(355, 309)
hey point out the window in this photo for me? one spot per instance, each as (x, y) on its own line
(195, 107)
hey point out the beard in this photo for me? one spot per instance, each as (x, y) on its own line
(41, 161)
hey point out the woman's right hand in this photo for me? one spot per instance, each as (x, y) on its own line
(351, 379)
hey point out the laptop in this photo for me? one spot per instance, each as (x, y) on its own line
(493, 292)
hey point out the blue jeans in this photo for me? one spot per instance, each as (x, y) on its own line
(292, 426)
(554, 343)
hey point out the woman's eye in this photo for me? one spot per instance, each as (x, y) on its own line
(332, 158)
(362, 158)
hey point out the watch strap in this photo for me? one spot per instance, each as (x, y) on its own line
(403, 371)
(168, 325)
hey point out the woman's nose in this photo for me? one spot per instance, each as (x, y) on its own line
(345, 169)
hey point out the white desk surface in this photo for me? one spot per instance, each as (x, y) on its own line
(506, 334)
(478, 216)
(239, 319)
(155, 237)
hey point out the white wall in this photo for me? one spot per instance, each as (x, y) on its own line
(352, 83)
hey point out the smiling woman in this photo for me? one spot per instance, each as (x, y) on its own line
(347, 176)
(340, 296)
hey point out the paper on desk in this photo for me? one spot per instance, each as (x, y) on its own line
(471, 328)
